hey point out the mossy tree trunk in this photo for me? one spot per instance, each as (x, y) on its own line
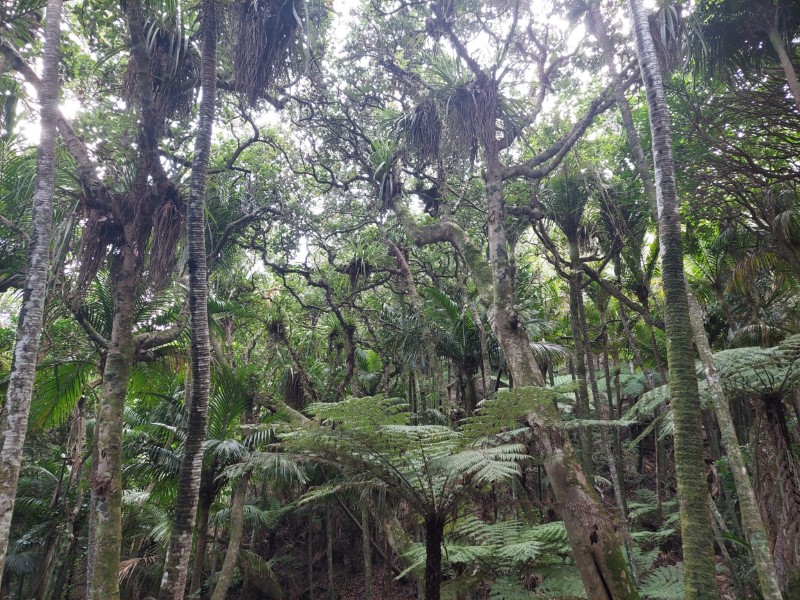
(366, 548)
(31, 317)
(697, 535)
(107, 480)
(236, 530)
(753, 526)
(582, 411)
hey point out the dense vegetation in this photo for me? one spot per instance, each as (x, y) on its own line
(469, 299)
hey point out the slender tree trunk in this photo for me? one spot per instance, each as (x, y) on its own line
(176, 564)
(329, 549)
(434, 534)
(367, 550)
(200, 547)
(697, 536)
(234, 538)
(753, 526)
(584, 432)
(29, 328)
(615, 465)
(310, 542)
(91, 533)
(428, 341)
(786, 64)
(600, 30)
(107, 481)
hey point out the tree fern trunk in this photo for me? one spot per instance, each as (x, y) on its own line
(331, 595)
(697, 536)
(29, 327)
(434, 534)
(366, 548)
(176, 564)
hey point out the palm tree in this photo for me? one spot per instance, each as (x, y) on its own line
(176, 565)
(697, 535)
(29, 329)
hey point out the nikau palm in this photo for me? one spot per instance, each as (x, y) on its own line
(176, 565)
(697, 536)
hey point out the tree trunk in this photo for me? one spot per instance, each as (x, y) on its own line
(29, 328)
(592, 535)
(310, 550)
(329, 550)
(367, 550)
(585, 433)
(434, 533)
(754, 530)
(786, 64)
(598, 27)
(697, 535)
(596, 546)
(778, 489)
(107, 482)
(176, 564)
(428, 341)
(200, 547)
(234, 538)
(615, 465)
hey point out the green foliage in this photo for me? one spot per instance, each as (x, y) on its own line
(507, 588)
(663, 583)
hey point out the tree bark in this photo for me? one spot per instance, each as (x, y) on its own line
(176, 564)
(697, 535)
(310, 551)
(329, 551)
(366, 548)
(585, 433)
(434, 534)
(786, 64)
(107, 480)
(234, 538)
(754, 529)
(29, 328)
(200, 546)
(598, 26)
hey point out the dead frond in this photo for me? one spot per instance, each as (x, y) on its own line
(265, 32)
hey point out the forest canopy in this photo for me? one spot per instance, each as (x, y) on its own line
(441, 299)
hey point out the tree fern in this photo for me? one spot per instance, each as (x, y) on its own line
(663, 583)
